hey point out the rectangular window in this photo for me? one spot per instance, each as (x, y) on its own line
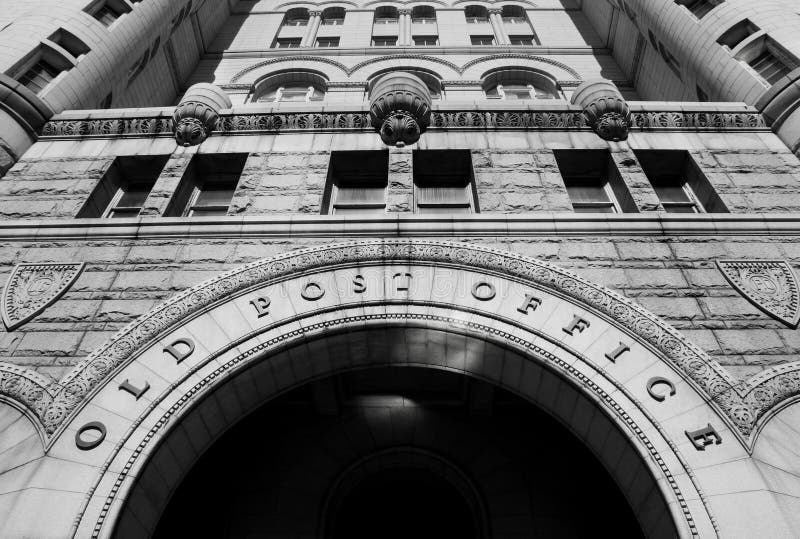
(287, 43)
(522, 40)
(108, 11)
(357, 182)
(384, 41)
(328, 42)
(737, 33)
(333, 21)
(699, 8)
(443, 182)
(593, 182)
(482, 40)
(39, 75)
(679, 183)
(768, 59)
(124, 188)
(70, 43)
(207, 187)
(426, 41)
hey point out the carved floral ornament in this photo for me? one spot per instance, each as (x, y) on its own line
(743, 402)
(159, 126)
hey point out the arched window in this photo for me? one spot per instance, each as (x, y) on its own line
(293, 86)
(476, 14)
(431, 80)
(514, 14)
(520, 83)
(423, 15)
(386, 15)
(333, 16)
(296, 17)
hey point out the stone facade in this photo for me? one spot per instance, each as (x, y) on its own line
(214, 93)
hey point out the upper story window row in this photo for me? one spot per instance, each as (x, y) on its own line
(417, 26)
(510, 84)
(357, 182)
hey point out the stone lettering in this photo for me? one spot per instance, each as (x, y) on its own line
(529, 303)
(578, 324)
(402, 286)
(483, 291)
(133, 390)
(657, 381)
(261, 306)
(703, 437)
(90, 435)
(360, 286)
(176, 353)
(312, 291)
(613, 355)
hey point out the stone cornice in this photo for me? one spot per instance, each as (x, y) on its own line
(394, 225)
(497, 115)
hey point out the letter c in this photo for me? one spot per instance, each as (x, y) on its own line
(656, 381)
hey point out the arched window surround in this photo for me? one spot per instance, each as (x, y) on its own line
(290, 86)
(520, 83)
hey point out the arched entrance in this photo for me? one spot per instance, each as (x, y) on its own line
(660, 416)
(397, 452)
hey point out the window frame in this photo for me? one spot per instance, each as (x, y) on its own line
(422, 180)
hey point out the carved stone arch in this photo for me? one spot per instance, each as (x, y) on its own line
(311, 77)
(418, 59)
(382, 339)
(542, 62)
(537, 321)
(530, 75)
(292, 62)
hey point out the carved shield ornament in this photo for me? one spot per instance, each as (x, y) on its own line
(770, 285)
(34, 287)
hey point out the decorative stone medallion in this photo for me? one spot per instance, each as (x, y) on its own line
(34, 287)
(770, 285)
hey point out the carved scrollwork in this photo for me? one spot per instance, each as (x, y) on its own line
(161, 126)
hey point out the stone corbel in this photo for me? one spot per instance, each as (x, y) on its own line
(400, 108)
(197, 113)
(604, 108)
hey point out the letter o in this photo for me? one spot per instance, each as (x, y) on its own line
(86, 445)
(312, 291)
(489, 293)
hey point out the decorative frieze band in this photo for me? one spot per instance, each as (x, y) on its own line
(313, 121)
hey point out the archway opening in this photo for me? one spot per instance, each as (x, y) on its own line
(403, 502)
(398, 452)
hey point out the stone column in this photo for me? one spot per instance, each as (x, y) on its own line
(404, 30)
(496, 20)
(314, 20)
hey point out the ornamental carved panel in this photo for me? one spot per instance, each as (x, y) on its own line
(34, 287)
(770, 285)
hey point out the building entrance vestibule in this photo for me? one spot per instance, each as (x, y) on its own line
(398, 453)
